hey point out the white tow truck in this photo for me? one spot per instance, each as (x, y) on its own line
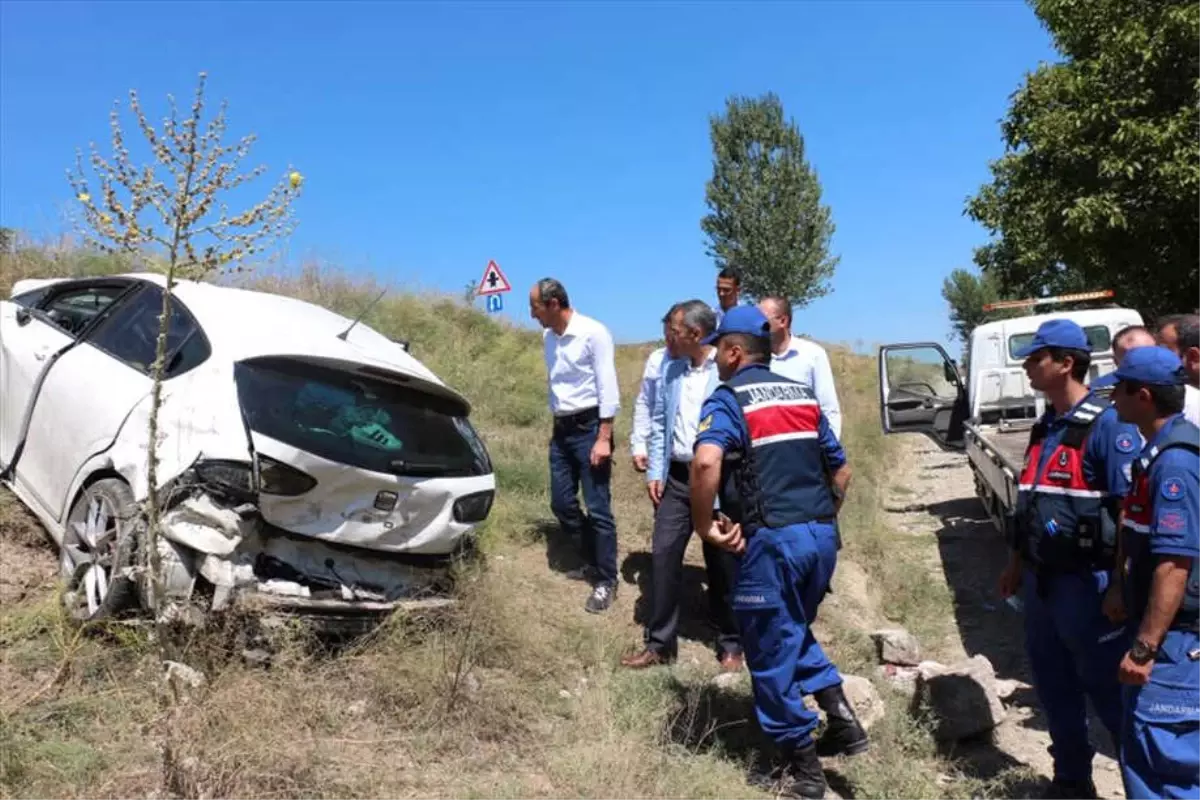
(988, 414)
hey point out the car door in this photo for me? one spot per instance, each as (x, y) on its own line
(36, 329)
(88, 395)
(921, 391)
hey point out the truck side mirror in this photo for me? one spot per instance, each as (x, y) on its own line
(950, 371)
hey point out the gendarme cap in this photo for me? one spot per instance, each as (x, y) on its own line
(741, 319)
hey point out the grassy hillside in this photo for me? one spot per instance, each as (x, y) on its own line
(518, 694)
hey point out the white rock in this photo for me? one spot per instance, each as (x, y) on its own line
(961, 697)
(903, 679)
(897, 646)
(727, 680)
(865, 699)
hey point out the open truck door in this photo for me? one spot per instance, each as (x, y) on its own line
(921, 391)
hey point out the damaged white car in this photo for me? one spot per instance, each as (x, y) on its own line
(307, 463)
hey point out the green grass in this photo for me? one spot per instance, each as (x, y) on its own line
(517, 694)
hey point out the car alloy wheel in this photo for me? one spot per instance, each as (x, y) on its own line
(97, 552)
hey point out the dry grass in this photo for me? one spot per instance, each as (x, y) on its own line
(517, 694)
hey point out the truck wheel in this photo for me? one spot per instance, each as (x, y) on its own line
(97, 552)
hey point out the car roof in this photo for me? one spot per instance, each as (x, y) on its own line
(243, 324)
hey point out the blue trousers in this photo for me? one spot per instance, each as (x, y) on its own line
(1074, 653)
(782, 577)
(1160, 748)
(570, 466)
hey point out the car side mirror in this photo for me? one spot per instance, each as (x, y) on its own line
(23, 316)
(950, 371)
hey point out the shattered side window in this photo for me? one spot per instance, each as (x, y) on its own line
(358, 420)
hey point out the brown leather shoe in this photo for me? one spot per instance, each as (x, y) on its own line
(732, 662)
(646, 658)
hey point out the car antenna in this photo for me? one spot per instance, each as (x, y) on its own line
(361, 314)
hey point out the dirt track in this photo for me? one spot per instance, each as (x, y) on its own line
(967, 552)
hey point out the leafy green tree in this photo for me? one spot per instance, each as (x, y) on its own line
(967, 293)
(1099, 183)
(767, 221)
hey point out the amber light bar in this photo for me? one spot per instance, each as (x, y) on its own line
(1049, 301)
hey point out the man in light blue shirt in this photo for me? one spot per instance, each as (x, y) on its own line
(686, 381)
(640, 436)
(801, 360)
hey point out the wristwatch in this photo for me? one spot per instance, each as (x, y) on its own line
(1142, 653)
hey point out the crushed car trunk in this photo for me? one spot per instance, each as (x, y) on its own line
(359, 488)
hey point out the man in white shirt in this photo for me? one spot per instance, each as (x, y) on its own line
(685, 382)
(640, 435)
(584, 398)
(729, 286)
(801, 360)
(1180, 333)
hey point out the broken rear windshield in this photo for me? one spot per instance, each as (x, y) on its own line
(358, 420)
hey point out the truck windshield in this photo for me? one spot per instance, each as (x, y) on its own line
(1098, 337)
(358, 420)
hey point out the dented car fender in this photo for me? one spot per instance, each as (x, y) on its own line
(199, 418)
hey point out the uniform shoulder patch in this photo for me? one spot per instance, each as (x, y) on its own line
(1125, 442)
(705, 424)
(1172, 489)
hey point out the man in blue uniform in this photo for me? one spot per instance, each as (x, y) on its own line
(764, 444)
(1076, 472)
(1160, 748)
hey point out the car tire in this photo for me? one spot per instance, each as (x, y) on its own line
(97, 552)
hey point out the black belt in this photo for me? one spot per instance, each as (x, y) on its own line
(578, 417)
(680, 470)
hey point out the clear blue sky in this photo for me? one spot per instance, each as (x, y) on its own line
(559, 139)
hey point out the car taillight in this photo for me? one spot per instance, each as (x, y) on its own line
(237, 477)
(275, 477)
(234, 477)
(473, 507)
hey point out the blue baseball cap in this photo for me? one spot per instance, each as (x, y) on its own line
(1056, 333)
(741, 319)
(1153, 366)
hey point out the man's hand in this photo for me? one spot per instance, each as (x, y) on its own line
(1010, 578)
(601, 451)
(641, 463)
(725, 534)
(654, 489)
(1114, 604)
(1132, 673)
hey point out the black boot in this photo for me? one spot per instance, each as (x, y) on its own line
(802, 775)
(1070, 790)
(843, 735)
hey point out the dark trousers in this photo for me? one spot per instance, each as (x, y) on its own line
(1074, 653)
(570, 467)
(672, 530)
(782, 577)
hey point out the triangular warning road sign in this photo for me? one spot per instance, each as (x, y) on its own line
(493, 281)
